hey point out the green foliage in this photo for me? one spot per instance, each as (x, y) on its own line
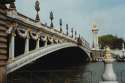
(112, 41)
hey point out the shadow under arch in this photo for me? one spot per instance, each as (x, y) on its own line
(61, 64)
(64, 58)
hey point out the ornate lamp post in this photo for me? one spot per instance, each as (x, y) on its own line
(67, 27)
(37, 8)
(75, 34)
(79, 40)
(95, 36)
(123, 49)
(79, 37)
(51, 18)
(60, 23)
(72, 31)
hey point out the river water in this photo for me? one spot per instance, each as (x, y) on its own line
(89, 73)
(97, 70)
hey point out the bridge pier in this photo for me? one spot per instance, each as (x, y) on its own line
(109, 75)
(3, 74)
(21, 36)
(3, 44)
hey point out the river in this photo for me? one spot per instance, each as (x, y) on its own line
(89, 73)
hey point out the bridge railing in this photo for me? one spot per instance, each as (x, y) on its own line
(83, 42)
(26, 34)
(24, 30)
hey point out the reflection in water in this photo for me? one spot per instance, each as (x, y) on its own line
(61, 67)
(90, 74)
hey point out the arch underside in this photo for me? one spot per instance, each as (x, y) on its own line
(53, 56)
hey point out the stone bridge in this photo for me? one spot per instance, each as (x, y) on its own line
(24, 40)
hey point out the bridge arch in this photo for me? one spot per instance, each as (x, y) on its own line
(25, 59)
(24, 40)
(64, 61)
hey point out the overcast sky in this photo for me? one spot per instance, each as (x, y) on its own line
(109, 15)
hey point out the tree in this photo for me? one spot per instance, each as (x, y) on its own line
(112, 41)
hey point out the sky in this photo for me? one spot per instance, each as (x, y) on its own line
(109, 15)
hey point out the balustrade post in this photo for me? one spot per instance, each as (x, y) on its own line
(37, 43)
(11, 31)
(51, 40)
(27, 43)
(46, 43)
(12, 46)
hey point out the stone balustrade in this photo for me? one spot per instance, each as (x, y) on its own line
(27, 28)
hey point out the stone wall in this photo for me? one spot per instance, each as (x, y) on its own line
(3, 44)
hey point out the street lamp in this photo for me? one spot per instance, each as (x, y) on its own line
(60, 23)
(67, 27)
(37, 10)
(51, 18)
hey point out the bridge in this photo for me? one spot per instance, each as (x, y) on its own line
(98, 55)
(24, 40)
